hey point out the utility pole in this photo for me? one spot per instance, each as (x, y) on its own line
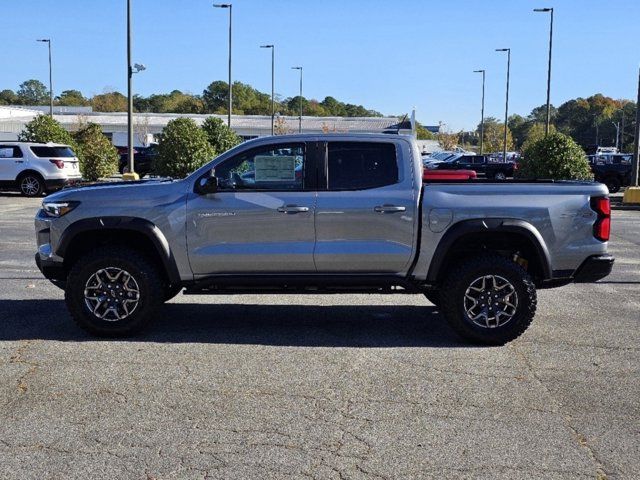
(230, 7)
(481, 112)
(546, 125)
(300, 117)
(48, 42)
(632, 193)
(506, 105)
(273, 111)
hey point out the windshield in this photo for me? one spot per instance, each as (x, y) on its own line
(63, 152)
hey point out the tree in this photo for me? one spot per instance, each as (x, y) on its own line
(72, 98)
(448, 141)
(494, 136)
(220, 136)
(33, 92)
(182, 149)
(556, 156)
(535, 133)
(109, 102)
(8, 97)
(422, 133)
(215, 97)
(98, 157)
(44, 129)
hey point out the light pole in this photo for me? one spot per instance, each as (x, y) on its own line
(506, 105)
(299, 118)
(273, 56)
(636, 150)
(48, 41)
(230, 7)
(131, 174)
(546, 126)
(481, 112)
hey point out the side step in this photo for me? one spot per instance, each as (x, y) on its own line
(301, 284)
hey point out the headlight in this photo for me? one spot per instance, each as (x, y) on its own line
(58, 209)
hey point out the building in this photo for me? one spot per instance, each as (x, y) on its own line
(148, 125)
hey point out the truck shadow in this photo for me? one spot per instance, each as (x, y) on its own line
(356, 326)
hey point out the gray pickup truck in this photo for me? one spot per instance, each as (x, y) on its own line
(332, 213)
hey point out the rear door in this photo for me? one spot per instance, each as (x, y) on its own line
(365, 215)
(261, 219)
(11, 161)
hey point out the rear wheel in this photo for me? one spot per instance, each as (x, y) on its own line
(31, 184)
(113, 291)
(489, 299)
(500, 176)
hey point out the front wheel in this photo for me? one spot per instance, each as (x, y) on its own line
(113, 291)
(500, 176)
(489, 299)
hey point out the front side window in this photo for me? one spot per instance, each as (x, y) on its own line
(54, 152)
(276, 167)
(361, 165)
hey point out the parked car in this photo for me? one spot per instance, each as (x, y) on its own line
(37, 168)
(481, 164)
(360, 218)
(143, 158)
(614, 170)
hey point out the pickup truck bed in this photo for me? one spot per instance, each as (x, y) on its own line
(328, 213)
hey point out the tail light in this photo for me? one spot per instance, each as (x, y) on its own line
(58, 163)
(602, 227)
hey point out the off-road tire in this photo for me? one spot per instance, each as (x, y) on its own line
(31, 184)
(613, 184)
(146, 275)
(461, 276)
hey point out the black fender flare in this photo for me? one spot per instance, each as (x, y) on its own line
(136, 224)
(507, 225)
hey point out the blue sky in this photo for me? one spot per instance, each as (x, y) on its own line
(387, 55)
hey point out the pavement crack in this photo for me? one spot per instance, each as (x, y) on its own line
(19, 358)
(559, 409)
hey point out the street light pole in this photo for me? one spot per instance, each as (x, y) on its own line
(481, 112)
(230, 7)
(546, 126)
(273, 111)
(300, 117)
(48, 42)
(636, 150)
(506, 106)
(129, 96)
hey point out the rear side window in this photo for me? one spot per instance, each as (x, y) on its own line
(361, 165)
(8, 151)
(45, 152)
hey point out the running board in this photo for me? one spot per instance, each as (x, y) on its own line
(300, 284)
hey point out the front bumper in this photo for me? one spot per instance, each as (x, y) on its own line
(594, 268)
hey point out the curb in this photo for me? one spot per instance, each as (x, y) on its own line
(634, 207)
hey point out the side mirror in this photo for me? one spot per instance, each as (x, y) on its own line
(207, 185)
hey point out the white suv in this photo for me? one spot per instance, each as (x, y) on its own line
(37, 168)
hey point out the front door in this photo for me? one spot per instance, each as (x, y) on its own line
(261, 219)
(366, 218)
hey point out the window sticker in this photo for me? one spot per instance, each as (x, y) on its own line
(275, 168)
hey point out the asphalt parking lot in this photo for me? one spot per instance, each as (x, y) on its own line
(322, 387)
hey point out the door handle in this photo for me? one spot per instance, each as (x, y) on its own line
(389, 209)
(18, 161)
(292, 209)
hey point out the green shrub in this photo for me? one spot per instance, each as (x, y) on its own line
(220, 136)
(556, 157)
(44, 129)
(183, 148)
(98, 157)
